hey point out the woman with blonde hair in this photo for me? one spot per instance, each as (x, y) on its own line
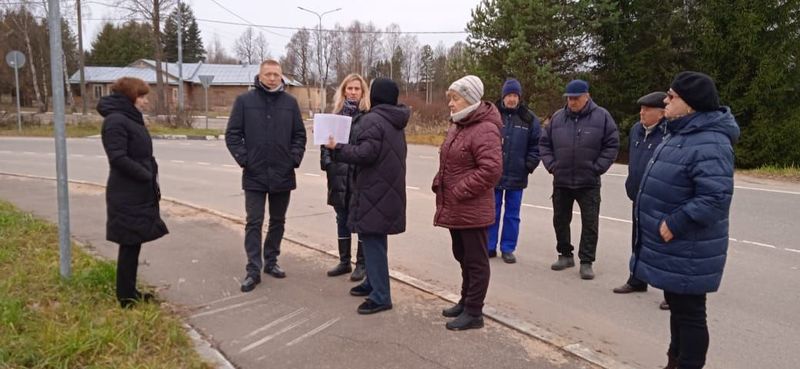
(350, 100)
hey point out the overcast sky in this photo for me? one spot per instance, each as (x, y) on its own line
(410, 15)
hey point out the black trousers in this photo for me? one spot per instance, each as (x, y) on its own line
(469, 249)
(589, 202)
(633, 281)
(688, 329)
(127, 267)
(254, 202)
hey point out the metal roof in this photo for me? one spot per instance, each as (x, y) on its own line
(224, 74)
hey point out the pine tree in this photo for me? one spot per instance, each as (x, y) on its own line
(193, 50)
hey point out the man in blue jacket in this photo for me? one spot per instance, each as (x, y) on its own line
(266, 137)
(580, 144)
(644, 137)
(520, 157)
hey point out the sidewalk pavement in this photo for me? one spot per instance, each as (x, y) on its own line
(307, 320)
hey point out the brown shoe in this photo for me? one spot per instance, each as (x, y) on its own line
(626, 288)
(664, 305)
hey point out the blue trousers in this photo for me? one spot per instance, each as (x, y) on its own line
(375, 252)
(510, 235)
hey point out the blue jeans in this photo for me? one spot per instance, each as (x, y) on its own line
(513, 200)
(375, 251)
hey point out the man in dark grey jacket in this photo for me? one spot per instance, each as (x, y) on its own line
(267, 139)
(578, 145)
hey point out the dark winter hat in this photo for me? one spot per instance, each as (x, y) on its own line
(697, 89)
(653, 99)
(512, 86)
(577, 87)
(383, 91)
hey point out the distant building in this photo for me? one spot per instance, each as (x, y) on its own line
(230, 80)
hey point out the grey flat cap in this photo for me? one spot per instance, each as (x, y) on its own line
(653, 99)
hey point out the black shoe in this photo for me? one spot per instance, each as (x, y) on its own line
(358, 273)
(341, 268)
(492, 253)
(563, 262)
(586, 271)
(360, 290)
(509, 257)
(465, 321)
(250, 283)
(146, 297)
(453, 311)
(372, 307)
(127, 303)
(663, 305)
(275, 271)
(627, 288)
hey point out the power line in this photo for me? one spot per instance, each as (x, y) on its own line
(248, 22)
(337, 30)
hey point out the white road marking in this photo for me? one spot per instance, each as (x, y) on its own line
(792, 250)
(6, 152)
(203, 163)
(733, 239)
(235, 306)
(311, 175)
(28, 153)
(230, 166)
(271, 336)
(767, 190)
(276, 322)
(759, 244)
(426, 157)
(312, 150)
(616, 175)
(412, 188)
(177, 161)
(578, 213)
(313, 331)
(100, 156)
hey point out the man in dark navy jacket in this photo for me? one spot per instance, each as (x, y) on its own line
(580, 144)
(267, 139)
(520, 157)
(644, 137)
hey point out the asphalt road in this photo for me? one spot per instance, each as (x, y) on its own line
(753, 319)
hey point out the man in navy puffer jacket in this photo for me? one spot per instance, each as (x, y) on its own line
(682, 211)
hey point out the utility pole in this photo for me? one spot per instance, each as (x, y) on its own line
(319, 53)
(84, 103)
(180, 58)
(57, 83)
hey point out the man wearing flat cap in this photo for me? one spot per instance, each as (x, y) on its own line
(577, 147)
(644, 137)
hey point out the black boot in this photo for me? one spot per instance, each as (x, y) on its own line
(465, 321)
(672, 362)
(344, 259)
(453, 311)
(361, 270)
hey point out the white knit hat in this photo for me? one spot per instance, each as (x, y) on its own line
(469, 87)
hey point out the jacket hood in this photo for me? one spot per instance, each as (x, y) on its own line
(486, 112)
(397, 115)
(521, 110)
(720, 120)
(118, 103)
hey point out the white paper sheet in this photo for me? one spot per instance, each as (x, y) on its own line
(326, 125)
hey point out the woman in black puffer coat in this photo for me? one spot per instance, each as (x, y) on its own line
(132, 192)
(352, 99)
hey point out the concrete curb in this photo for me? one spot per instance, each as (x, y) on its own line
(180, 137)
(577, 349)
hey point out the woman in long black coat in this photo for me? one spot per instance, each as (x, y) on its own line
(132, 192)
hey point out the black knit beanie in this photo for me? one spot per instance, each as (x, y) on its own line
(697, 89)
(383, 91)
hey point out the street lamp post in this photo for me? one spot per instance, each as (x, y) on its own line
(319, 53)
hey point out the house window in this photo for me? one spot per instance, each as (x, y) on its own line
(98, 91)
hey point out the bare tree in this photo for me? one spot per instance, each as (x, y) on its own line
(245, 47)
(261, 47)
(216, 53)
(411, 50)
(152, 10)
(25, 25)
(392, 42)
(353, 47)
(299, 55)
(337, 58)
(371, 42)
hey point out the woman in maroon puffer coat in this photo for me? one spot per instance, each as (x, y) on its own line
(470, 165)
